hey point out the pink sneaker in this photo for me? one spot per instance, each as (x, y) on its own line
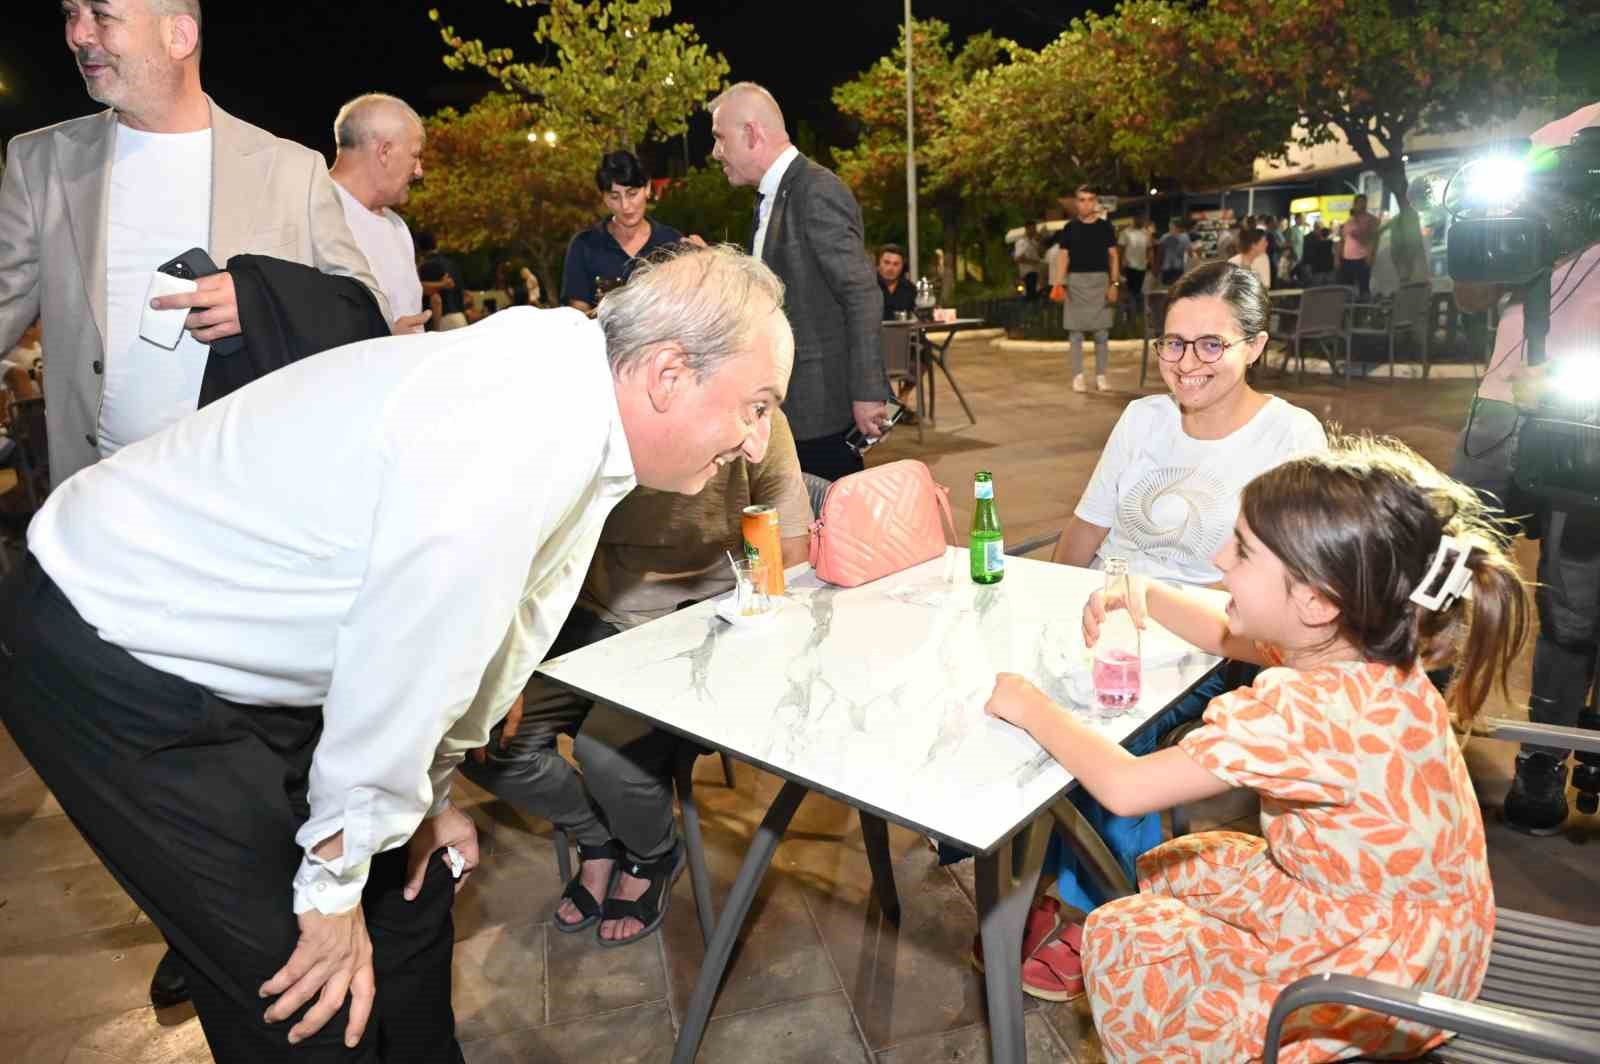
(1054, 971)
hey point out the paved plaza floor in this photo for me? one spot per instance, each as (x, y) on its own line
(818, 975)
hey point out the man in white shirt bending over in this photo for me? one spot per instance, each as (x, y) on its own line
(379, 141)
(248, 653)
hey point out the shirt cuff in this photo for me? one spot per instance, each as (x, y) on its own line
(316, 887)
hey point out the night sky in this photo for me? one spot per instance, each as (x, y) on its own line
(288, 66)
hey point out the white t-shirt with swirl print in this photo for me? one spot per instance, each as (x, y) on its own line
(1170, 500)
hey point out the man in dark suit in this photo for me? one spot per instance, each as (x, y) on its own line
(808, 230)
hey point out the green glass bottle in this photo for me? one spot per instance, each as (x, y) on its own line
(987, 546)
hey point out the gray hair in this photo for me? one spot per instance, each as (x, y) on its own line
(177, 7)
(710, 301)
(360, 121)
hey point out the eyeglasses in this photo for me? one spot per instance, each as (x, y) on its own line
(1206, 348)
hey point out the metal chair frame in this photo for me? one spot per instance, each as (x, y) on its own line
(1409, 311)
(1320, 319)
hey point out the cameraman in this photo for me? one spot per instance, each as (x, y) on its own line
(1568, 594)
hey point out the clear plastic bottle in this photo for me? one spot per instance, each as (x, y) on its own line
(1116, 651)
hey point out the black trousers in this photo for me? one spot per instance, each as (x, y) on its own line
(1357, 273)
(192, 803)
(829, 456)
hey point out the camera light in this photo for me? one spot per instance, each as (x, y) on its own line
(1577, 379)
(1495, 181)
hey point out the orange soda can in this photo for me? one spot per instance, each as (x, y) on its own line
(761, 540)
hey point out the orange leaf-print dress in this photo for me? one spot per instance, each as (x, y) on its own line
(1373, 865)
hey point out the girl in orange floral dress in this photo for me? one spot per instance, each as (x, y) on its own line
(1348, 574)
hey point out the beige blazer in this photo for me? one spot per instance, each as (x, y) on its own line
(268, 197)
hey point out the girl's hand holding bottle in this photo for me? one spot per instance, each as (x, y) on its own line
(1103, 602)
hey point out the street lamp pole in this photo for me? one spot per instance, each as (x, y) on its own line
(911, 157)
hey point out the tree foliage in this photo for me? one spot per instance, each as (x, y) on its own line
(875, 100)
(489, 186)
(611, 76)
(1116, 99)
(1380, 71)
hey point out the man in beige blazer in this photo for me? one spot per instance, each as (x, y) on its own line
(63, 185)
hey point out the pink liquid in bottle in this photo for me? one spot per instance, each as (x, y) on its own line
(1116, 680)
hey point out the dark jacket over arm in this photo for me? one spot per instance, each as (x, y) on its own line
(286, 312)
(814, 242)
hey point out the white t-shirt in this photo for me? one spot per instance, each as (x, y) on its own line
(1171, 500)
(1136, 248)
(1259, 266)
(386, 242)
(160, 208)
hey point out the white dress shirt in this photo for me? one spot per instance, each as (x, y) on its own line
(390, 251)
(394, 530)
(769, 191)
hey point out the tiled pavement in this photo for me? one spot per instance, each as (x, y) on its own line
(818, 975)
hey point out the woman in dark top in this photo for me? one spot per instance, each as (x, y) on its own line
(602, 257)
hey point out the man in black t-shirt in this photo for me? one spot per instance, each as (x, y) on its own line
(1088, 280)
(441, 284)
(898, 292)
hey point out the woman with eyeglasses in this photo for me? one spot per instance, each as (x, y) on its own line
(1165, 495)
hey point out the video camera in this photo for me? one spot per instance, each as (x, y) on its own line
(1515, 211)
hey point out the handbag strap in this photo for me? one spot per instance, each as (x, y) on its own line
(942, 493)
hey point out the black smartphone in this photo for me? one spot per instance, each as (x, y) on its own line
(191, 265)
(861, 443)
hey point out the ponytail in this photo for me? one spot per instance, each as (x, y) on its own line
(1483, 631)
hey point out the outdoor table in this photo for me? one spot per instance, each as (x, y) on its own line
(874, 696)
(922, 344)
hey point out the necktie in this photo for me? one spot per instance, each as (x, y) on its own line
(755, 223)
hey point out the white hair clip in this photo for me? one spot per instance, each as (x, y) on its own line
(1448, 577)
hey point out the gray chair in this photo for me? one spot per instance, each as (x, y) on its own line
(1409, 312)
(1155, 323)
(1538, 1001)
(1320, 320)
(817, 488)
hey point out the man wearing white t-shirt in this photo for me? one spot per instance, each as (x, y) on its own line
(380, 142)
(89, 209)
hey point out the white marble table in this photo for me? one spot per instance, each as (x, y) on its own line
(874, 695)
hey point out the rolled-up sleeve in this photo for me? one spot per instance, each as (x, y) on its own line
(459, 520)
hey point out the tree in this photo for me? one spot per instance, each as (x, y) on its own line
(1380, 71)
(703, 203)
(876, 100)
(489, 185)
(611, 77)
(1115, 100)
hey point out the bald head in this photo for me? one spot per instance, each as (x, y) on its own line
(747, 125)
(380, 140)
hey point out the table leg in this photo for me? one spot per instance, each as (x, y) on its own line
(916, 370)
(1003, 903)
(875, 833)
(939, 358)
(762, 848)
(694, 841)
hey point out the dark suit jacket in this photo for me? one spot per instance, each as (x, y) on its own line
(286, 312)
(833, 301)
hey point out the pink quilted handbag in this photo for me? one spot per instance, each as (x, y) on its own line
(879, 521)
